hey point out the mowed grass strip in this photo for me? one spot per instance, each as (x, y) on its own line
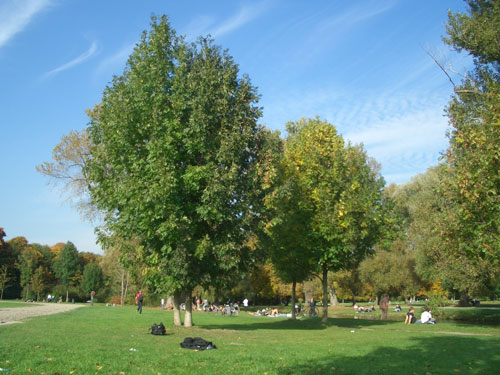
(14, 304)
(99, 339)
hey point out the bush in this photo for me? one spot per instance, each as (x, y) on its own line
(437, 300)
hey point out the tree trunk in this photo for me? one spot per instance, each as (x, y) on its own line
(334, 301)
(170, 303)
(177, 310)
(122, 288)
(188, 316)
(294, 285)
(464, 299)
(325, 293)
(67, 295)
(353, 299)
(37, 296)
(27, 292)
(1, 295)
(308, 292)
(126, 287)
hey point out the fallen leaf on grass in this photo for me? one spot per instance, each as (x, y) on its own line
(50, 359)
(99, 367)
(37, 346)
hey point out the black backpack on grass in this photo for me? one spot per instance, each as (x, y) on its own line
(158, 329)
(197, 343)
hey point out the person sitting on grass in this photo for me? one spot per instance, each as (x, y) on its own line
(426, 317)
(397, 308)
(410, 316)
(274, 312)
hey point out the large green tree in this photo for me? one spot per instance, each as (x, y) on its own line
(175, 145)
(288, 215)
(92, 278)
(67, 265)
(342, 189)
(472, 189)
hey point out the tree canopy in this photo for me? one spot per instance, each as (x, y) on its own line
(175, 149)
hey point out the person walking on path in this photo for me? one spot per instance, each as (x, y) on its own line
(138, 300)
(92, 295)
(245, 304)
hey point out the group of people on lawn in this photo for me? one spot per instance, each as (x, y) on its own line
(425, 318)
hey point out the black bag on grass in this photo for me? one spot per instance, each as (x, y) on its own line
(197, 343)
(157, 329)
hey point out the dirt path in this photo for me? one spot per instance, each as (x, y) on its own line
(17, 314)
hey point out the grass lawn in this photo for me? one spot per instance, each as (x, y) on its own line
(11, 304)
(99, 339)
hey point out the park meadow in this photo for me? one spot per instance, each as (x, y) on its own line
(115, 340)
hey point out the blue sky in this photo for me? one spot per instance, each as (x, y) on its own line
(361, 65)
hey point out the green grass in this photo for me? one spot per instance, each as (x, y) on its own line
(97, 340)
(11, 304)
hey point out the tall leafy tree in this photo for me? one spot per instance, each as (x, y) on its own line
(288, 215)
(28, 261)
(38, 281)
(4, 279)
(92, 278)
(472, 189)
(9, 274)
(437, 251)
(342, 189)
(174, 152)
(68, 168)
(67, 265)
(474, 152)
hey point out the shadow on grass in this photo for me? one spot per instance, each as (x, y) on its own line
(428, 355)
(288, 324)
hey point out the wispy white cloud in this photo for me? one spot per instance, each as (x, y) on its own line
(203, 25)
(15, 15)
(76, 61)
(246, 14)
(115, 62)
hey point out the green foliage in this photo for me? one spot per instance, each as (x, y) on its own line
(92, 278)
(174, 160)
(66, 265)
(340, 196)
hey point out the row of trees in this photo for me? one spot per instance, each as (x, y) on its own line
(192, 192)
(32, 271)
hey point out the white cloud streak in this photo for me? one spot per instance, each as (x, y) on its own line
(115, 62)
(203, 25)
(15, 15)
(70, 64)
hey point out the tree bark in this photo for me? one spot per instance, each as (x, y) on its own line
(67, 295)
(188, 316)
(294, 285)
(126, 287)
(122, 287)
(464, 299)
(334, 301)
(325, 293)
(308, 292)
(177, 311)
